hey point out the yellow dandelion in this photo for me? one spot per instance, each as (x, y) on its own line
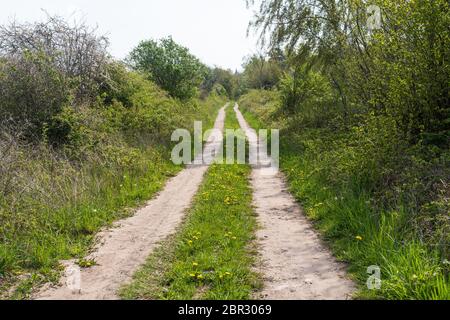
(359, 238)
(195, 264)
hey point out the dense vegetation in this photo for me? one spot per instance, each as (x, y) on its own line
(365, 119)
(169, 65)
(363, 106)
(82, 138)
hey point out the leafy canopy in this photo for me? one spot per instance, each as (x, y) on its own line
(170, 65)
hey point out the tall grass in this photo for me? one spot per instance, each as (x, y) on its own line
(356, 216)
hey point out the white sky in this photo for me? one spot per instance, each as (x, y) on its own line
(213, 30)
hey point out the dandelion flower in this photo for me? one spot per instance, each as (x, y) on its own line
(359, 238)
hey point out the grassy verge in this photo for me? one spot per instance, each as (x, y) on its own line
(211, 256)
(69, 231)
(364, 236)
(61, 224)
(359, 231)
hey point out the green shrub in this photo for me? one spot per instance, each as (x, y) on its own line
(169, 65)
(76, 51)
(32, 90)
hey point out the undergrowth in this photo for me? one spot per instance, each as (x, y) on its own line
(340, 178)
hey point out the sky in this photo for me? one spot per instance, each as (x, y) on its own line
(213, 30)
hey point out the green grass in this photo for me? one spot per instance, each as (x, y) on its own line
(68, 232)
(364, 236)
(358, 231)
(211, 256)
(41, 230)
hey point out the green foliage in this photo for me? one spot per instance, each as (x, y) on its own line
(169, 65)
(377, 139)
(411, 59)
(88, 159)
(254, 99)
(400, 69)
(308, 94)
(32, 90)
(71, 129)
(75, 50)
(261, 73)
(375, 198)
(53, 200)
(222, 81)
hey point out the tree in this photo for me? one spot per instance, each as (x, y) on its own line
(170, 65)
(261, 73)
(224, 78)
(32, 90)
(399, 69)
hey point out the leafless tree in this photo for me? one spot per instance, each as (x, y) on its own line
(74, 48)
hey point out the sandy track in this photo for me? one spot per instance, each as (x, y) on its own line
(122, 249)
(295, 263)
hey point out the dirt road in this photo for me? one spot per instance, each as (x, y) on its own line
(295, 263)
(123, 248)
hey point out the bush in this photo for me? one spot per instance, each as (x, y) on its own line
(261, 73)
(309, 95)
(371, 155)
(76, 51)
(169, 65)
(32, 90)
(224, 82)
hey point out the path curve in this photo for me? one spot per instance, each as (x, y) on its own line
(123, 248)
(295, 263)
